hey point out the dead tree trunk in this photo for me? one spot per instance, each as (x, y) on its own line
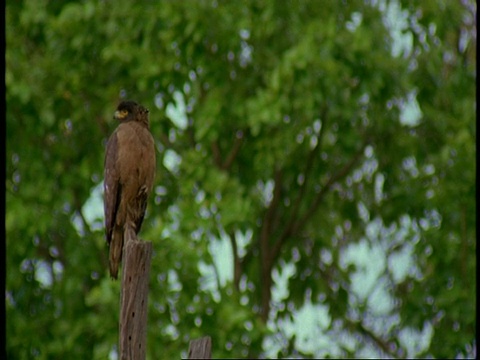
(133, 299)
(200, 348)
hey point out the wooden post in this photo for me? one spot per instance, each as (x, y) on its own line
(200, 348)
(133, 300)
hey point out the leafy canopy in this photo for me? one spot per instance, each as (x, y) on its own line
(328, 149)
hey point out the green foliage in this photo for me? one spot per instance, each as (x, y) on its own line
(293, 155)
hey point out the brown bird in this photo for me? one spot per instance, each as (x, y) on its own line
(129, 176)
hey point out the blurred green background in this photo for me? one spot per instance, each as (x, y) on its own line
(315, 188)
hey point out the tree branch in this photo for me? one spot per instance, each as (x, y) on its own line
(288, 229)
(270, 214)
(217, 157)
(239, 138)
(332, 180)
(237, 264)
(385, 346)
(265, 251)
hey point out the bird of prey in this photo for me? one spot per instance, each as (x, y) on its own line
(129, 175)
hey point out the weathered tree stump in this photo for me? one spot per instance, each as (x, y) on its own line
(200, 348)
(133, 299)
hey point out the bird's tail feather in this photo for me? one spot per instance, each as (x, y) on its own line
(116, 247)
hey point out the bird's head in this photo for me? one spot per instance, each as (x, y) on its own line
(126, 110)
(142, 115)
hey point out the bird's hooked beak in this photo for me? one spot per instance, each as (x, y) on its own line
(120, 114)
